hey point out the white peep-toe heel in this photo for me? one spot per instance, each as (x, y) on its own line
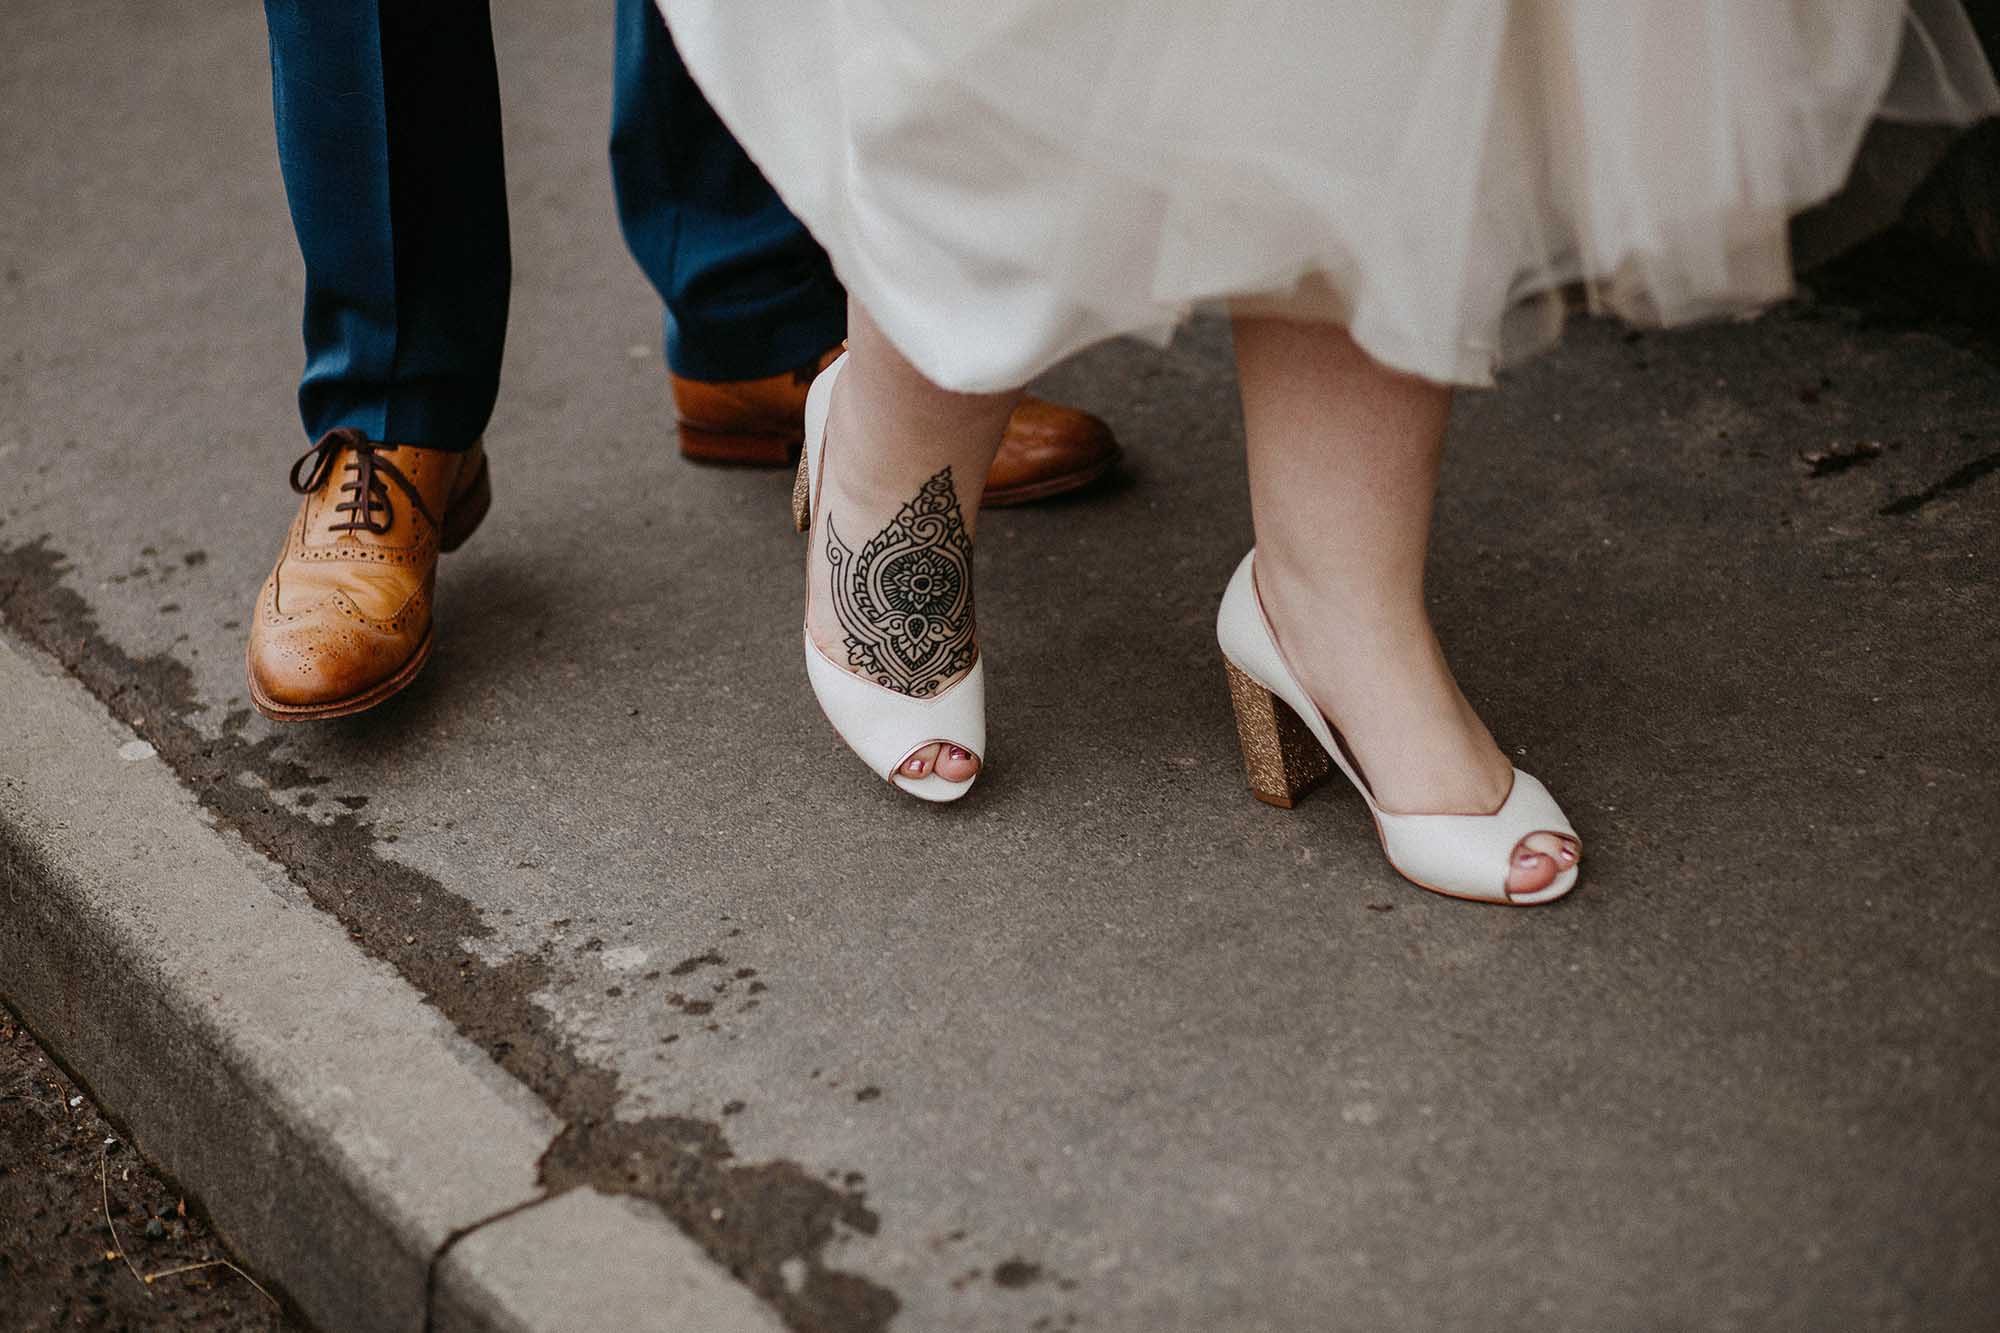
(1288, 747)
(883, 726)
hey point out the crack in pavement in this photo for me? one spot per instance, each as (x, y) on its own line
(756, 1219)
(452, 1241)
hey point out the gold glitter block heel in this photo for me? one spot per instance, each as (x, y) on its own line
(802, 505)
(1283, 760)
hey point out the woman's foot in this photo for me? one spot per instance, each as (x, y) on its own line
(1381, 681)
(890, 590)
(889, 554)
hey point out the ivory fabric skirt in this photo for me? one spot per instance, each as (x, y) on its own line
(1004, 182)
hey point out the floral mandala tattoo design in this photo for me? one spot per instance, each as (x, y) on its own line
(905, 601)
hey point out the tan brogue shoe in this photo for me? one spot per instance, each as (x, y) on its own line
(1048, 449)
(344, 621)
(759, 423)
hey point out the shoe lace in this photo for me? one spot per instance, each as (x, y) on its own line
(368, 471)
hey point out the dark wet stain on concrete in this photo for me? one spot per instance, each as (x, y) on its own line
(751, 1218)
(689, 965)
(744, 1216)
(1016, 1272)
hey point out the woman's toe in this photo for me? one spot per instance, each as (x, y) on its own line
(922, 763)
(956, 764)
(1529, 870)
(1556, 846)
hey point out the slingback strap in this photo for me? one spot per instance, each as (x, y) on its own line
(819, 405)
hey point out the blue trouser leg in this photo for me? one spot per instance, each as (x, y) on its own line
(748, 291)
(388, 116)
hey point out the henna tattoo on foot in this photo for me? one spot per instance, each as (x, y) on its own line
(905, 601)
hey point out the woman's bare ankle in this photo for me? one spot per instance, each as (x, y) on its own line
(1373, 664)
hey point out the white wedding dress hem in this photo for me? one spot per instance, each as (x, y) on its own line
(1004, 183)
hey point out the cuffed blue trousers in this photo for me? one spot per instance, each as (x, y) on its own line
(388, 121)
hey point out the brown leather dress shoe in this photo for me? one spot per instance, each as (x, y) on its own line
(1048, 449)
(344, 621)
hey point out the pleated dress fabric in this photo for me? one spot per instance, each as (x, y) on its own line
(1004, 182)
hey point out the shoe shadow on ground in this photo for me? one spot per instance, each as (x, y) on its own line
(491, 619)
(1112, 485)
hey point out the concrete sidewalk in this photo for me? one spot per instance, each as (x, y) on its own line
(332, 1124)
(1109, 1045)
